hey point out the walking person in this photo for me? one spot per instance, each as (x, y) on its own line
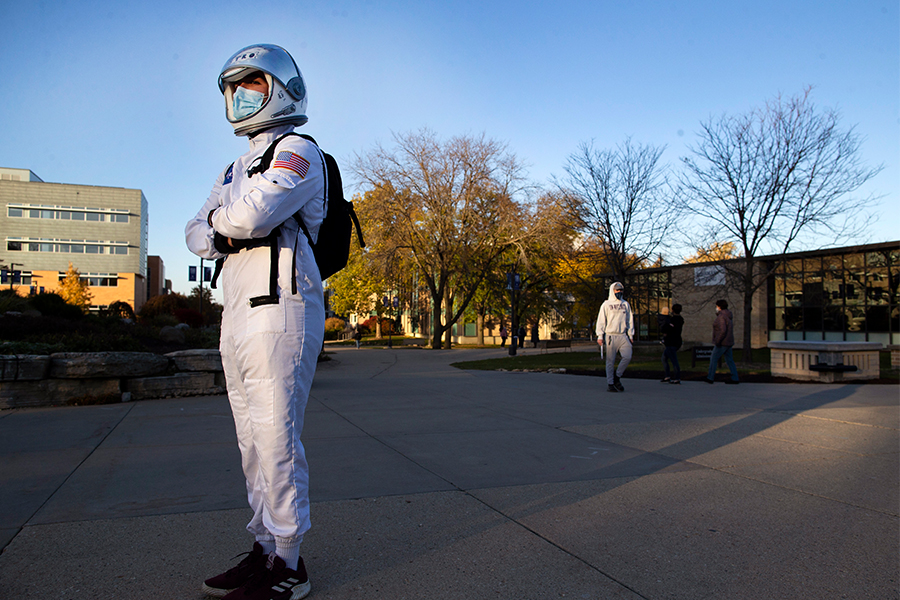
(357, 336)
(672, 342)
(615, 329)
(502, 335)
(269, 343)
(723, 340)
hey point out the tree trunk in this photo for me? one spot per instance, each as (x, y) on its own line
(436, 325)
(448, 316)
(377, 327)
(747, 355)
(479, 327)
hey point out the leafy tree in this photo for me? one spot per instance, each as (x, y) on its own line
(120, 310)
(361, 285)
(547, 234)
(201, 300)
(74, 290)
(768, 179)
(163, 305)
(578, 270)
(445, 209)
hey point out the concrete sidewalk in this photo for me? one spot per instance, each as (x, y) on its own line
(431, 482)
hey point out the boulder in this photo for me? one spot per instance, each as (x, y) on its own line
(84, 365)
(24, 367)
(171, 335)
(55, 392)
(180, 384)
(196, 360)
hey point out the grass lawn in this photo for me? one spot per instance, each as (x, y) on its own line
(646, 364)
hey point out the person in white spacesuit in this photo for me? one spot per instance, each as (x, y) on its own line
(615, 328)
(271, 335)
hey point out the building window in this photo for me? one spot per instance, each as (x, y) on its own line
(97, 279)
(68, 246)
(648, 294)
(844, 297)
(69, 213)
(15, 277)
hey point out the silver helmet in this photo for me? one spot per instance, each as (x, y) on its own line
(285, 103)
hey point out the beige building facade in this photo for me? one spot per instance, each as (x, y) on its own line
(102, 231)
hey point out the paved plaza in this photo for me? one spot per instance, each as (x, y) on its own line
(430, 482)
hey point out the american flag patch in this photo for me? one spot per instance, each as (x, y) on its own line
(294, 162)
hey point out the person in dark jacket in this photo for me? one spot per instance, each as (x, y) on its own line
(723, 340)
(672, 341)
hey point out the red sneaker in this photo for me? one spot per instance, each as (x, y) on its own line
(236, 576)
(275, 582)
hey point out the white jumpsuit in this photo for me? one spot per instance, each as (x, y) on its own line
(615, 324)
(269, 352)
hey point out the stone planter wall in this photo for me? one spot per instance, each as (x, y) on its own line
(103, 377)
(795, 359)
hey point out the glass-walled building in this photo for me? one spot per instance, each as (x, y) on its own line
(844, 294)
(649, 293)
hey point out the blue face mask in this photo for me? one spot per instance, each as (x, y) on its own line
(246, 102)
(619, 295)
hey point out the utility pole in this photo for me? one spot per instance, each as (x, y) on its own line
(200, 295)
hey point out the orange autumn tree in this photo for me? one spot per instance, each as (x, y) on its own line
(714, 252)
(74, 290)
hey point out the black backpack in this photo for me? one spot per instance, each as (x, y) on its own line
(332, 250)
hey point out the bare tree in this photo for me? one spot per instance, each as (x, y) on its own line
(619, 198)
(448, 207)
(618, 202)
(770, 178)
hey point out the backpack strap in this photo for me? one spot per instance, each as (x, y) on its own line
(258, 166)
(261, 164)
(272, 296)
(299, 217)
(220, 262)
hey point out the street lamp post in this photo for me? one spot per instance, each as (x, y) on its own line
(513, 283)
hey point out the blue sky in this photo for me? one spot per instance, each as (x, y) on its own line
(115, 94)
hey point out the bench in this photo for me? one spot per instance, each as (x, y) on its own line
(545, 345)
(838, 368)
(825, 361)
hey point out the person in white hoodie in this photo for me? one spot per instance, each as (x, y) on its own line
(269, 342)
(615, 330)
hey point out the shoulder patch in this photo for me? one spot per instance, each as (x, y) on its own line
(229, 174)
(285, 159)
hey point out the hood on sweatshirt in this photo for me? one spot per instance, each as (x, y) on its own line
(612, 291)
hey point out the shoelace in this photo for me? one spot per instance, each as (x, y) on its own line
(260, 579)
(246, 561)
